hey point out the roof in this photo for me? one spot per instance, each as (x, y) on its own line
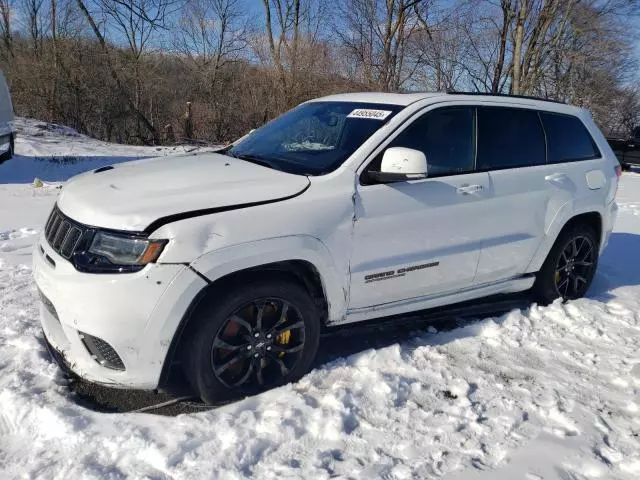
(404, 99)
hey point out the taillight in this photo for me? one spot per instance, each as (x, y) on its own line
(618, 171)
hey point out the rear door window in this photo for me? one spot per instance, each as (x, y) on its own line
(567, 139)
(509, 138)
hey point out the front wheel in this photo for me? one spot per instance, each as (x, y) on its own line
(256, 337)
(570, 266)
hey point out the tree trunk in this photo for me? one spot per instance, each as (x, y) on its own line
(517, 51)
(506, 21)
(275, 51)
(5, 18)
(54, 46)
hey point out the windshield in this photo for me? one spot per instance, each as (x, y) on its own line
(314, 138)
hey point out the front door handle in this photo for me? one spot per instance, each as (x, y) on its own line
(469, 189)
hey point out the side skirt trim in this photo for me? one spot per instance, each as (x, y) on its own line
(514, 285)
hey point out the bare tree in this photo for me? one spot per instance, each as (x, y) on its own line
(377, 36)
(6, 12)
(211, 34)
(136, 20)
(507, 17)
(292, 29)
(514, 44)
(238, 74)
(287, 20)
(438, 54)
(33, 10)
(627, 110)
(54, 46)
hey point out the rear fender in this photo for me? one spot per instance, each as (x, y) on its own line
(565, 213)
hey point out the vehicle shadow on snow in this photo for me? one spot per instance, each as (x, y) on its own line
(619, 266)
(24, 169)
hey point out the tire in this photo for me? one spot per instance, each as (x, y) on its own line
(9, 154)
(222, 321)
(550, 282)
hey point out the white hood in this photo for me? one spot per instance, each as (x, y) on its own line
(133, 195)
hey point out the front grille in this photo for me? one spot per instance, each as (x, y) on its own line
(62, 233)
(102, 352)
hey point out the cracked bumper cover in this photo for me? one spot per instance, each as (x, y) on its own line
(135, 313)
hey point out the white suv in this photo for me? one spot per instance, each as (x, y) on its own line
(223, 267)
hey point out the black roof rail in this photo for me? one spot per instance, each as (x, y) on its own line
(487, 94)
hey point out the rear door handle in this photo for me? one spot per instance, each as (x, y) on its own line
(469, 189)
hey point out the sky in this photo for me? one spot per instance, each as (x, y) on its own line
(256, 9)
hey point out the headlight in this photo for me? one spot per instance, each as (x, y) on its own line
(122, 250)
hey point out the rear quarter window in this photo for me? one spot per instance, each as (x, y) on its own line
(568, 140)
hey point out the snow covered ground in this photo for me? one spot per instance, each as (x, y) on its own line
(543, 393)
(55, 153)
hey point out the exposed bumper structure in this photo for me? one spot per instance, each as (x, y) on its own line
(608, 222)
(78, 308)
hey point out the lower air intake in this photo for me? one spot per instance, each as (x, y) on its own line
(102, 352)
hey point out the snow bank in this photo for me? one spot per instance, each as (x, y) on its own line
(55, 153)
(543, 393)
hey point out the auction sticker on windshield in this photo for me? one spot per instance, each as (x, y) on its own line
(367, 113)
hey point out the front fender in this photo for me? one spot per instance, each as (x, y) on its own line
(216, 264)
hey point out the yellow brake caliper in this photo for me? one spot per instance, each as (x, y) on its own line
(283, 339)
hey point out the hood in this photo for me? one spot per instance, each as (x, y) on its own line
(142, 194)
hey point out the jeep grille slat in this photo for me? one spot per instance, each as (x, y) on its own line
(70, 242)
(63, 234)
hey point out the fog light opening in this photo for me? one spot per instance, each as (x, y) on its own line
(101, 352)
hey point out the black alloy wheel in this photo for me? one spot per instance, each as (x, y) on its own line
(258, 345)
(575, 266)
(570, 266)
(245, 339)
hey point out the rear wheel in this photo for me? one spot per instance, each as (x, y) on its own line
(255, 338)
(570, 266)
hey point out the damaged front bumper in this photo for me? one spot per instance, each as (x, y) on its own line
(111, 329)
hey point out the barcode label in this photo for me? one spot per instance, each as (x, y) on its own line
(371, 114)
